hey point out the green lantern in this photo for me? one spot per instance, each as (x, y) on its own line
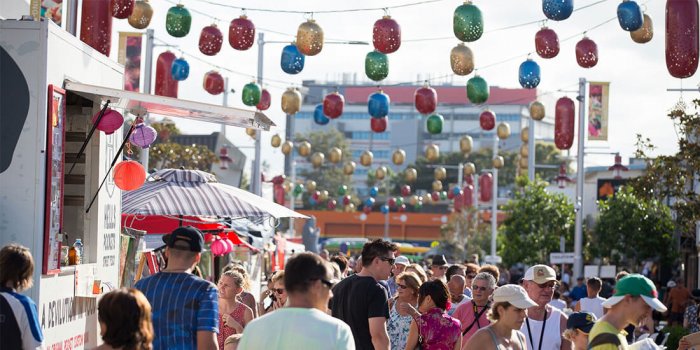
(178, 21)
(468, 23)
(443, 195)
(298, 189)
(342, 190)
(251, 94)
(434, 123)
(376, 65)
(399, 201)
(477, 90)
(418, 205)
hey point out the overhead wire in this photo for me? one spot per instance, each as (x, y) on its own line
(367, 9)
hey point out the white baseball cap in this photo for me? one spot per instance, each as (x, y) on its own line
(402, 260)
(540, 274)
(513, 294)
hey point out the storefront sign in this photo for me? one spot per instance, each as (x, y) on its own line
(608, 187)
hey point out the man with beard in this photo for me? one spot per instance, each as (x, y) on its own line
(544, 325)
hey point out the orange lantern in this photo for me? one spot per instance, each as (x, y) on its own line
(129, 175)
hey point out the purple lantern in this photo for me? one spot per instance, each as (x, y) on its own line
(111, 121)
(143, 136)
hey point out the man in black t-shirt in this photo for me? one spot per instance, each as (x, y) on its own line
(361, 302)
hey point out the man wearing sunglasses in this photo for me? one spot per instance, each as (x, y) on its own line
(439, 268)
(545, 324)
(361, 302)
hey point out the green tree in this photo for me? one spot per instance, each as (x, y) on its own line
(536, 219)
(632, 229)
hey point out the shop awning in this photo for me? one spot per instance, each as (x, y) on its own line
(172, 107)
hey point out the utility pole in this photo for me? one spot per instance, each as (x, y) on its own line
(578, 203)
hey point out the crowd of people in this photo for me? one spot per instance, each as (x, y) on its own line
(378, 301)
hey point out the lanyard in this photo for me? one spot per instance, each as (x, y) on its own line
(476, 318)
(529, 332)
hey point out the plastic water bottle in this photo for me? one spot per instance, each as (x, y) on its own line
(78, 245)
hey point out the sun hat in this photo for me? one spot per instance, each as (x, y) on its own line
(188, 234)
(513, 294)
(402, 260)
(540, 274)
(636, 285)
(582, 321)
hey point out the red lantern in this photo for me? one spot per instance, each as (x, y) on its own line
(547, 43)
(346, 199)
(485, 187)
(122, 8)
(450, 194)
(425, 100)
(129, 175)
(208, 238)
(487, 120)
(316, 195)
(386, 35)
(213, 82)
(681, 37)
(331, 204)
(379, 124)
(265, 100)
(586, 53)
(468, 196)
(110, 121)
(333, 105)
(367, 209)
(401, 208)
(435, 196)
(405, 190)
(391, 202)
(166, 85)
(96, 25)
(241, 33)
(459, 203)
(564, 123)
(210, 40)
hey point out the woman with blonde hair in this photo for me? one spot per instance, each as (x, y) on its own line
(246, 297)
(278, 294)
(125, 320)
(418, 270)
(233, 314)
(402, 308)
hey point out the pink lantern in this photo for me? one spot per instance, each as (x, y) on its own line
(228, 245)
(143, 135)
(265, 100)
(217, 247)
(110, 122)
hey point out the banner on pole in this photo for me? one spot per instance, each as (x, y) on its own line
(130, 56)
(598, 96)
(49, 9)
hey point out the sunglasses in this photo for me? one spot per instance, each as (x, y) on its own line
(389, 260)
(483, 289)
(548, 285)
(279, 290)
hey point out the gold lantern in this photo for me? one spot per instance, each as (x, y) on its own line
(251, 132)
(310, 38)
(349, 208)
(437, 185)
(525, 134)
(335, 155)
(323, 196)
(366, 158)
(428, 198)
(276, 140)
(287, 186)
(317, 159)
(410, 175)
(432, 152)
(440, 173)
(498, 162)
(465, 144)
(523, 162)
(311, 186)
(291, 101)
(304, 149)
(503, 130)
(141, 15)
(537, 110)
(398, 157)
(380, 173)
(287, 147)
(469, 169)
(413, 200)
(462, 59)
(524, 150)
(349, 167)
(645, 33)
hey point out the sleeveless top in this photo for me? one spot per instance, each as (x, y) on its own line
(552, 332)
(398, 327)
(238, 314)
(594, 305)
(499, 345)
(438, 330)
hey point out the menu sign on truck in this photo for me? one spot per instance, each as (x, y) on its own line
(54, 180)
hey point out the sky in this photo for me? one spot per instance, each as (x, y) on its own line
(639, 100)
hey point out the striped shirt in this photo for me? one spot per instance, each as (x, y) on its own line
(182, 304)
(19, 322)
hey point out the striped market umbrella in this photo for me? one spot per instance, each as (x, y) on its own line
(198, 193)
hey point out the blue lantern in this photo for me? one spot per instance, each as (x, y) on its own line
(292, 60)
(529, 74)
(378, 104)
(180, 69)
(312, 201)
(456, 191)
(369, 202)
(319, 117)
(557, 10)
(629, 15)
(385, 209)
(373, 191)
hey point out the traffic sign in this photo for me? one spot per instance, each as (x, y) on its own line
(561, 258)
(490, 259)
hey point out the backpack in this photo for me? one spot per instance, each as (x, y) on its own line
(605, 339)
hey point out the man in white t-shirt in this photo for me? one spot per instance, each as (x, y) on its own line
(594, 302)
(304, 324)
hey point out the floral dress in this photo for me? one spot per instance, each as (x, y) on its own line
(398, 328)
(225, 331)
(438, 330)
(691, 314)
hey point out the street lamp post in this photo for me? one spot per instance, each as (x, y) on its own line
(578, 203)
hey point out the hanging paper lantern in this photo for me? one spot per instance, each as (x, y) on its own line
(413, 200)
(378, 104)
(287, 147)
(537, 110)
(287, 186)
(275, 141)
(292, 61)
(391, 202)
(465, 144)
(180, 69)
(461, 60)
(401, 208)
(398, 157)
(405, 190)
(437, 185)
(373, 191)
(380, 173)
(529, 74)
(564, 123)
(324, 196)
(298, 189)
(386, 35)
(487, 120)
(498, 162)
(110, 122)
(217, 247)
(310, 38)
(557, 10)
(469, 169)
(319, 117)
(485, 187)
(304, 149)
(213, 82)
(503, 130)
(547, 43)
(165, 84)
(367, 209)
(644, 34)
(468, 22)
(350, 208)
(251, 94)
(129, 175)
(141, 16)
(331, 204)
(451, 192)
(349, 167)
(342, 190)
(333, 105)
(435, 196)
(311, 186)
(629, 15)
(291, 101)
(96, 25)
(525, 134)
(122, 8)
(241, 33)
(399, 201)
(379, 124)
(681, 37)
(347, 200)
(143, 135)
(178, 21)
(385, 209)
(251, 132)
(468, 196)
(425, 99)
(440, 173)
(410, 175)
(366, 158)
(335, 155)
(265, 100)
(477, 90)
(432, 152)
(434, 124)
(317, 159)
(586, 53)
(210, 40)
(376, 65)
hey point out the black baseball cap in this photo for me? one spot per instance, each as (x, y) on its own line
(188, 234)
(582, 321)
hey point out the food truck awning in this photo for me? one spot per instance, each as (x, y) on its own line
(172, 107)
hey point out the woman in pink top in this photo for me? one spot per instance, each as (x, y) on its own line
(473, 314)
(434, 329)
(233, 314)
